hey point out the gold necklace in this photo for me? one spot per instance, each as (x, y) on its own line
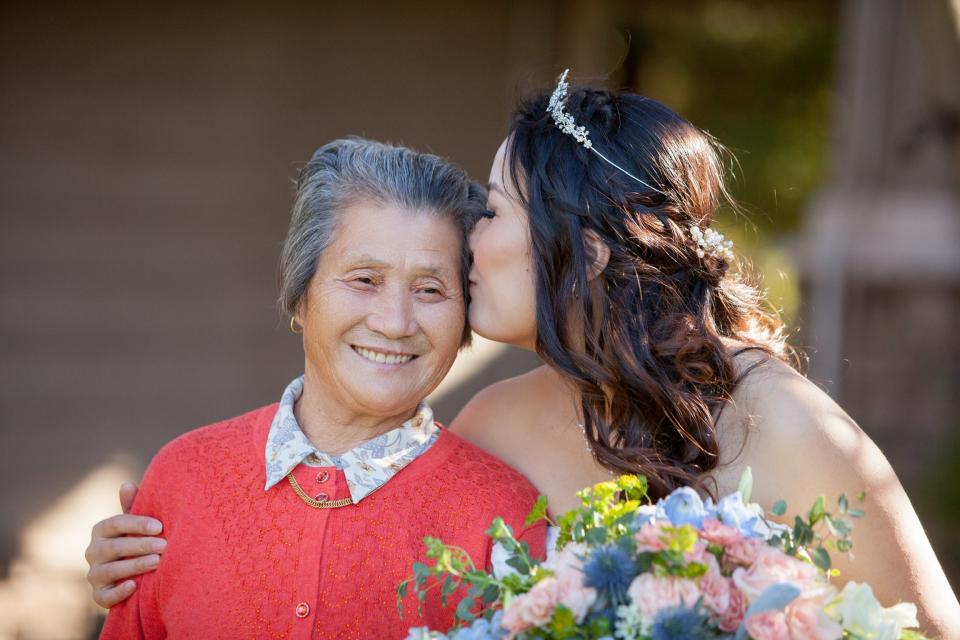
(316, 504)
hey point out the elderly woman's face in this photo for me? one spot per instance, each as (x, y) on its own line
(383, 315)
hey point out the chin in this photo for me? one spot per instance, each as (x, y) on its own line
(387, 400)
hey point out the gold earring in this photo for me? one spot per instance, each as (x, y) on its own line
(293, 328)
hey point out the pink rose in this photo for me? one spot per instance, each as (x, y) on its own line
(650, 537)
(730, 620)
(743, 552)
(572, 594)
(570, 557)
(531, 609)
(700, 554)
(716, 593)
(769, 625)
(651, 594)
(715, 532)
(807, 621)
(773, 566)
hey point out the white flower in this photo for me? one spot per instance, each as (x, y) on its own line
(857, 610)
(630, 625)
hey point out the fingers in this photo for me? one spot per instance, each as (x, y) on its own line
(126, 524)
(128, 491)
(106, 597)
(110, 574)
(105, 550)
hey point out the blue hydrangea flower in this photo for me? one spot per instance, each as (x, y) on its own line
(645, 513)
(732, 512)
(610, 571)
(683, 506)
(681, 624)
(424, 633)
(482, 629)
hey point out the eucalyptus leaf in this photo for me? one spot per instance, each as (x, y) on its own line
(464, 609)
(821, 558)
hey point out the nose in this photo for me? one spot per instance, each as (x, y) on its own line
(393, 314)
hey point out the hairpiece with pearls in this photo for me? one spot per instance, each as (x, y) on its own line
(712, 243)
(709, 242)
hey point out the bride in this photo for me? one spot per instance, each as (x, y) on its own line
(660, 359)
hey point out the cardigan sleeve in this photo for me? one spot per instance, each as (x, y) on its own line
(138, 617)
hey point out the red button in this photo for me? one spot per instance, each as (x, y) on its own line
(322, 477)
(303, 610)
(321, 497)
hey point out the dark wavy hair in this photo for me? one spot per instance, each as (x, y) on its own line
(643, 341)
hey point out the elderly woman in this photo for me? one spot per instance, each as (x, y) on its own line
(299, 519)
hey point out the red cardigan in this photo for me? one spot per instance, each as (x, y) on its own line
(242, 562)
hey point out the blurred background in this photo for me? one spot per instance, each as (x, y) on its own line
(146, 158)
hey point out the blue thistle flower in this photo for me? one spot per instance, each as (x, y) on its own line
(610, 571)
(681, 624)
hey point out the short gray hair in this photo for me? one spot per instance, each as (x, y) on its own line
(353, 169)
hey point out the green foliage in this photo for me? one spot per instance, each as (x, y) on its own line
(606, 512)
(538, 513)
(820, 532)
(453, 571)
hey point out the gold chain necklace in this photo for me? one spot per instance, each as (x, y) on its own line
(316, 504)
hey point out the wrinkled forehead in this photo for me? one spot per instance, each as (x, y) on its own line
(390, 237)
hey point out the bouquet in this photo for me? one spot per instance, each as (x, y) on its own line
(680, 568)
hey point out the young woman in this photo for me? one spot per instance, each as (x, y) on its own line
(659, 358)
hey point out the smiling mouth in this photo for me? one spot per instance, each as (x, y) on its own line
(383, 357)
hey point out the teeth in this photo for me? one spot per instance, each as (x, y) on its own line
(383, 358)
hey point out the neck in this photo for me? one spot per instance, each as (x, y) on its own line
(334, 429)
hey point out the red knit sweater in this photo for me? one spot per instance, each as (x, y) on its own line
(242, 562)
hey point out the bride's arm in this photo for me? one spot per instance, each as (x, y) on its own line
(800, 444)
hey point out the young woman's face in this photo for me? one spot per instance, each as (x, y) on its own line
(502, 284)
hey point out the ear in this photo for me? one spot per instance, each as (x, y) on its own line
(598, 254)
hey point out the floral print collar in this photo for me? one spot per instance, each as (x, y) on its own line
(367, 467)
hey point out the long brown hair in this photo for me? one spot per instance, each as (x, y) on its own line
(643, 342)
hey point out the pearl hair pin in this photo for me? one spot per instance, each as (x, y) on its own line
(712, 243)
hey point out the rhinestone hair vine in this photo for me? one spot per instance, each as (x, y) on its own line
(709, 242)
(568, 125)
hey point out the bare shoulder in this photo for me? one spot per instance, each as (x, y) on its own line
(783, 425)
(801, 444)
(501, 406)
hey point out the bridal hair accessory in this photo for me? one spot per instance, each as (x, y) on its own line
(709, 242)
(568, 125)
(712, 243)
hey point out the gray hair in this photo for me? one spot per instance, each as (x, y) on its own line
(348, 170)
